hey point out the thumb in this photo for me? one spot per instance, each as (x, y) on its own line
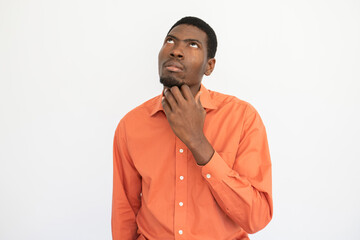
(197, 98)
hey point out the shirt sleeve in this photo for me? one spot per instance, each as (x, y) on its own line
(126, 190)
(244, 190)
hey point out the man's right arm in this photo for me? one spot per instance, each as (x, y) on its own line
(126, 190)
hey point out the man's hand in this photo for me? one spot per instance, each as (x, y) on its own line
(184, 113)
(186, 117)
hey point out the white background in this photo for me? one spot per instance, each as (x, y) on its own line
(70, 70)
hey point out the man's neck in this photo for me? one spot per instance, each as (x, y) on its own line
(194, 89)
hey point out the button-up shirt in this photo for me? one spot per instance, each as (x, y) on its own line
(159, 191)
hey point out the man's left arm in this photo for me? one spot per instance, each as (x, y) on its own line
(243, 191)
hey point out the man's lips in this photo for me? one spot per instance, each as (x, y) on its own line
(173, 69)
(173, 66)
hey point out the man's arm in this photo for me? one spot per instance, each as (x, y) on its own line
(126, 190)
(243, 191)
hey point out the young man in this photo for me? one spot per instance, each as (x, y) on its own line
(190, 163)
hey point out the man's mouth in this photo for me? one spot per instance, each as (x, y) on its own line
(173, 66)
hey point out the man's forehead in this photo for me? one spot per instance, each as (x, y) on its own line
(185, 31)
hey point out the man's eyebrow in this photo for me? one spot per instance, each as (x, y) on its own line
(185, 40)
(192, 40)
(169, 35)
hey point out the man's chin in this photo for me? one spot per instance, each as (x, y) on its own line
(170, 82)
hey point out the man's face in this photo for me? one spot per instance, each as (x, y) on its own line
(183, 57)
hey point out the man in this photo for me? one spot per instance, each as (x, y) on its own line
(190, 163)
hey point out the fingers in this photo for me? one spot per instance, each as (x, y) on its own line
(170, 98)
(174, 97)
(177, 95)
(186, 92)
(166, 106)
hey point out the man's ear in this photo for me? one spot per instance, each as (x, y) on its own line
(210, 66)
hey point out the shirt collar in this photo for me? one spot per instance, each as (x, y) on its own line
(205, 99)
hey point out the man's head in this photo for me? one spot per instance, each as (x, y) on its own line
(187, 53)
(211, 36)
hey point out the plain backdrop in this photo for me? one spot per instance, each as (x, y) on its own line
(71, 69)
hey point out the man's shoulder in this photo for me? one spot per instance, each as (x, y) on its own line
(143, 110)
(226, 100)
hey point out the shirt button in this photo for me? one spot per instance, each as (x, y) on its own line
(181, 204)
(180, 232)
(208, 175)
(181, 177)
(181, 150)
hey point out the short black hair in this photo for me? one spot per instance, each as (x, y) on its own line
(202, 25)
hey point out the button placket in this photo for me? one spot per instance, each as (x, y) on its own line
(180, 189)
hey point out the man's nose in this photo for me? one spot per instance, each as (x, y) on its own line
(177, 52)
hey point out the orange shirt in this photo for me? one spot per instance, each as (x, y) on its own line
(160, 192)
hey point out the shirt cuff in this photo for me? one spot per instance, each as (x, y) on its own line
(216, 168)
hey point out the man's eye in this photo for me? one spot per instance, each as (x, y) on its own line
(169, 40)
(194, 45)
